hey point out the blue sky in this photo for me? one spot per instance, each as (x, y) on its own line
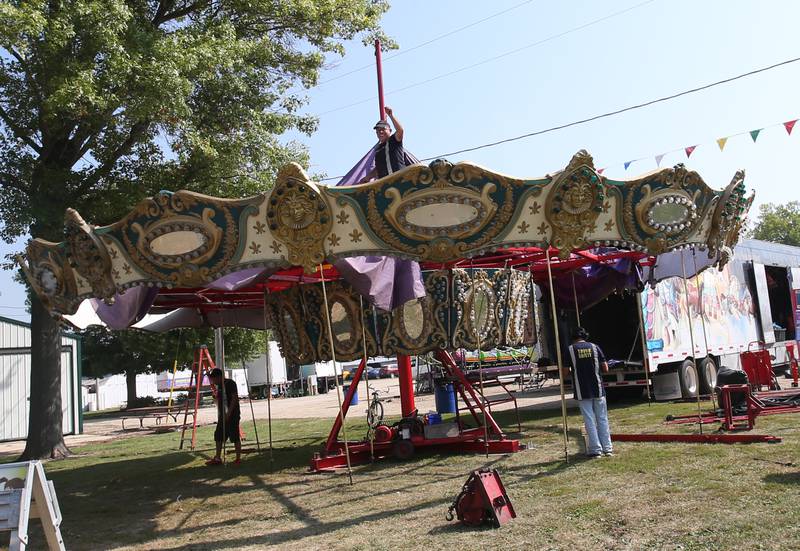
(578, 69)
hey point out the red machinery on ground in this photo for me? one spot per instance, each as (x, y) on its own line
(741, 403)
(410, 434)
(483, 500)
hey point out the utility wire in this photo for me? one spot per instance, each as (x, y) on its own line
(618, 111)
(609, 113)
(426, 43)
(495, 58)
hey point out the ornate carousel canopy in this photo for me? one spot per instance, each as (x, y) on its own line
(444, 215)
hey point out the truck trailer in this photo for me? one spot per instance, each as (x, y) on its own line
(696, 325)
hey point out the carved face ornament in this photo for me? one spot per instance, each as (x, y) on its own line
(578, 198)
(297, 212)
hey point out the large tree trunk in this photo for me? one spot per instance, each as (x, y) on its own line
(45, 436)
(130, 382)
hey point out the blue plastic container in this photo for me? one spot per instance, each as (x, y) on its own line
(354, 399)
(445, 396)
(434, 418)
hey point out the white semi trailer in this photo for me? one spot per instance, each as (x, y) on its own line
(751, 303)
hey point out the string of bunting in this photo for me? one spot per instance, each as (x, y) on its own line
(721, 143)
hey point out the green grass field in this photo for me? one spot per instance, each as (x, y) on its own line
(141, 493)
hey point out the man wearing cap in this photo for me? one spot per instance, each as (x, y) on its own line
(227, 415)
(389, 153)
(587, 363)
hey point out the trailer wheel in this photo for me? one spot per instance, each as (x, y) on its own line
(688, 376)
(708, 375)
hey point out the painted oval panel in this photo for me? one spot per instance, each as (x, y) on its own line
(413, 319)
(441, 215)
(177, 243)
(340, 323)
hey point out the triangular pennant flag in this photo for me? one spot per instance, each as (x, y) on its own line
(721, 143)
(629, 163)
(689, 150)
(789, 125)
(754, 134)
(600, 170)
(659, 158)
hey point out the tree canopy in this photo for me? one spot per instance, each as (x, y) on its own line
(105, 102)
(778, 223)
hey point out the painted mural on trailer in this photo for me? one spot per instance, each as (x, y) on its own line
(726, 315)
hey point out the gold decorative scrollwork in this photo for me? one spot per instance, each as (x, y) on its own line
(88, 256)
(346, 322)
(476, 305)
(463, 191)
(50, 275)
(286, 311)
(517, 307)
(175, 243)
(574, 203)
(728, 219)
(299, 217)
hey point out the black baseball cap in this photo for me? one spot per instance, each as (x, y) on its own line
(580, 333)
(216, 372)
(381, 124)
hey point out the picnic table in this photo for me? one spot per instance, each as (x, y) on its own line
(155, 412)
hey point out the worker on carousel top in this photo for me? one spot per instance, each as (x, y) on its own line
(389, 153)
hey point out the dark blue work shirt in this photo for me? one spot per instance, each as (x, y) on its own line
(389, 156)
(586, 379)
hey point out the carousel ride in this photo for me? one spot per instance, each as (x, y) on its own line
(429, 259)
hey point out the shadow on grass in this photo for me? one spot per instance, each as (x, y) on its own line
(94, 496)
(783, 478)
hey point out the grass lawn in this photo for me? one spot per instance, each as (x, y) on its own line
(140, 493)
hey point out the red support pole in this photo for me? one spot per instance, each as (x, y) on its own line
(330, 444)
(380, 78)
(406, 385)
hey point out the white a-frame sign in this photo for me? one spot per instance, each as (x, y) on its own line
(25, 493)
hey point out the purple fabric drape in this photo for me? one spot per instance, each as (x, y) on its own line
(127, 309)
(240, 279)
(595, 282)
(387, 282)
(367, 163)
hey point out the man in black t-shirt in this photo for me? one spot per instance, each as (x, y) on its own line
(588, 362)
(389, 153)
(227, 411)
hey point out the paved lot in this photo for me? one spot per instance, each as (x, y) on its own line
(319, 406)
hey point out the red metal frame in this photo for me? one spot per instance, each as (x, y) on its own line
(468, 440)
(713, 438)
(793, 363)
(202, 365)
(758, 366)
(406, 385)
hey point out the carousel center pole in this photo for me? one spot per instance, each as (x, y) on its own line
(406, 385)
(558, 357)
(379, 68)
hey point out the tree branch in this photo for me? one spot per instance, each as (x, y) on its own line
(162, 16)
(137, 131)
(18, 132)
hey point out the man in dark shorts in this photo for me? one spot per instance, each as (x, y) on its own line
(227, 410)
(389, 154)
(588, 362)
